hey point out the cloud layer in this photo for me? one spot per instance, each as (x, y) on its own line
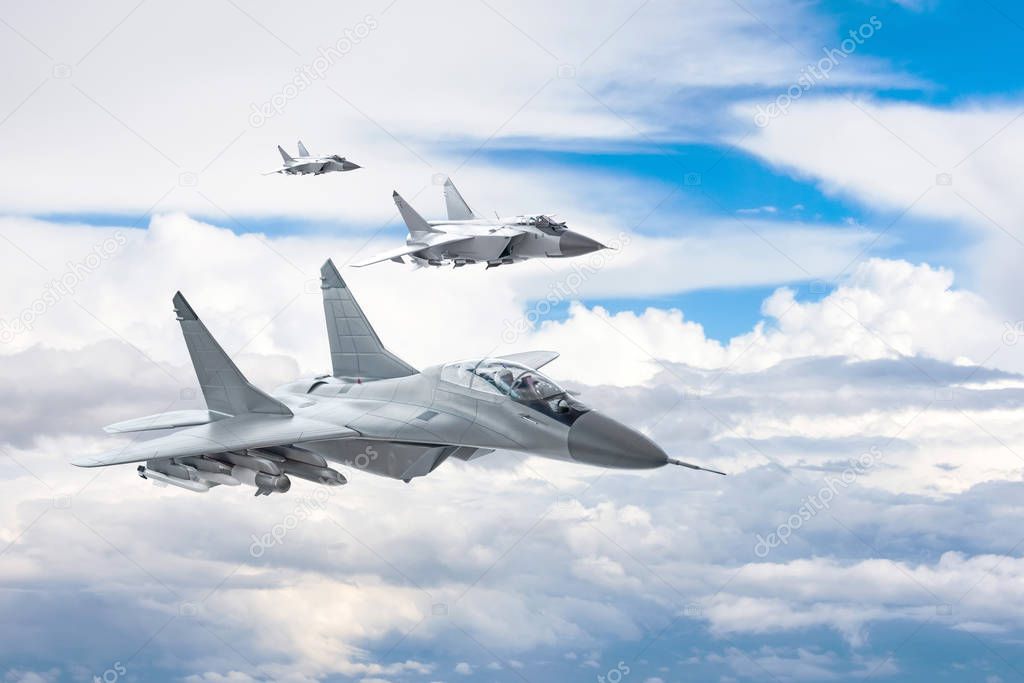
(509, 559)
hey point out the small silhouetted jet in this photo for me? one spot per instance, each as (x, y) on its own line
(373, 412)
(467, 238)
(307, 164)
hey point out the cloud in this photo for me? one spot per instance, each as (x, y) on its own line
(884, 309)
(921, 165)
(214, 267)
(897, 379)
(19, 676)
(625, 74)
(621, 555)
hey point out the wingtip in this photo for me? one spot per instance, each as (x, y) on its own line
(330, 277)
(182, 308)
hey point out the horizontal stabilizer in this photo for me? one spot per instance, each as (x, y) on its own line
(171, 420)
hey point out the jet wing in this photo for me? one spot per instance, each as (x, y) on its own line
(277, 170)
(410, 249)
(252, 430)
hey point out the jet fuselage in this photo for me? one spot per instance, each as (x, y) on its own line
(500, 242)
(409, 425)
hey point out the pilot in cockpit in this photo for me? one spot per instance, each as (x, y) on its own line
(504, 380)
(525, 388)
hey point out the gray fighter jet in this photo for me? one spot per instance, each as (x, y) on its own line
(467, 238)
(374, 412)
(307, 164)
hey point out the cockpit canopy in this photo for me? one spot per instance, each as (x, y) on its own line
(520, 383)
(497, 376)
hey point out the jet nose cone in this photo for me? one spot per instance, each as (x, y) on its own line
(599, 440)
(574, 244)
(349, 166)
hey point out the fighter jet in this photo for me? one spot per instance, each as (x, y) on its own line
(467, 238)
(374, 412)
(307, 164)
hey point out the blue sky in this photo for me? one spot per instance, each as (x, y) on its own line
(952, 52)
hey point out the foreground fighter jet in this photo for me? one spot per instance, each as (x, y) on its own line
(466, 238)
(307, 164)
(374, 412)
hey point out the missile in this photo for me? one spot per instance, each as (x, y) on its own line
(264, 482)
(317, 475)
(217, 478)
(266, 463)
(198, 469)
(275, 453)
(205, 465)
(160, 477)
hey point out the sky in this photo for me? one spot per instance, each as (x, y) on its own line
(816, 291)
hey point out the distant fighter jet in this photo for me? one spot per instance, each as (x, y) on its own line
(307, 164)
(466, 238)
(374, 412)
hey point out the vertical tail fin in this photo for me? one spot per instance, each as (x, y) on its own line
(413, 220)
(356, 350)
(225, 388)
(458, 209)
(285, 155)
(303, 152)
